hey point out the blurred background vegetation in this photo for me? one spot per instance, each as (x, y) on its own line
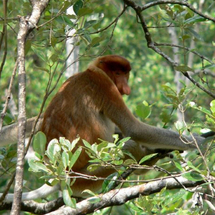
(153, 79)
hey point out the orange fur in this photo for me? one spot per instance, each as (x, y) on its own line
(90, 103)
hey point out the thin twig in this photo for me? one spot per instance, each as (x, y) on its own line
(185, 48)
(114, 21)
(151, 44)
(179, 2)
(3, 113)
(4, 35)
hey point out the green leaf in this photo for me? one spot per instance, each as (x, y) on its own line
(194, 19)
(179, 125)
(90, 23)
(75, 157)
(108, 183)
(39, 143)
(77, 6)
(86, 37)
(212, 107)
(178, 165)
(65, 144)
(93, 167)
(193, 167)
(195, 34)
(185, 37)
(96, 40)
(68, 18)
(65, 159)
(94, 199)
(73, 144)
(102, 145)
(147, 157)
(87, 145)
(183, 68)
(37, 166)
(60, 169)
(203, 110)
(52, 149)
(84, 11)
(165, 116)
(178, 8)
(121, 142)
(192, 176)
(67, 198)
(40, 53)
(209, 66)
(91, 193)
(117, 162)
(143, 110)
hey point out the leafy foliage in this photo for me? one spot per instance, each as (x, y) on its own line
(160, 94)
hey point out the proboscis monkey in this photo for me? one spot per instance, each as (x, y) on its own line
(90, 104)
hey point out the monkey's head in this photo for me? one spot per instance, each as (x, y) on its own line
(117, 68)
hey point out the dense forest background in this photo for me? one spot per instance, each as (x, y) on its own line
(170, 45)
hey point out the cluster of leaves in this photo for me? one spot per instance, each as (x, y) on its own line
(60, 158)
(63, 154)
(46, 56)
(193, 166)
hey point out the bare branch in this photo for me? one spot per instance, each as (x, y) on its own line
(4, 35)
(7, 99)
(9, 133)
(185, 48)
(25, 27)
(21, 117)
(112, 23)
(120, 196)
(151, 44)
(179, 2)
(35, 207)
(114, 197)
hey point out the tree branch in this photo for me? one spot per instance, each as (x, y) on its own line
(112, 198)
(151, 44)
(179, 2)
(22, 34)
(25, 27)
(8, 134)
(120, 196)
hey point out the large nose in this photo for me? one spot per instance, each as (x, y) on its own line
(122, 85)
(125, 90)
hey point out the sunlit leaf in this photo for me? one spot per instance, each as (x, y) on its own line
(75, 157)
(73, 144)
(65, 159)
(183, 68)
(143, 110)
(212, 107)
(179, 125)
(77, 6)
(192, 176)
(52, 149)
(84, 11)
(194, 19)
(37, 166)
(178, 165)
(193, 167)
(39, 143)
(68, 200)
(147, 157)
